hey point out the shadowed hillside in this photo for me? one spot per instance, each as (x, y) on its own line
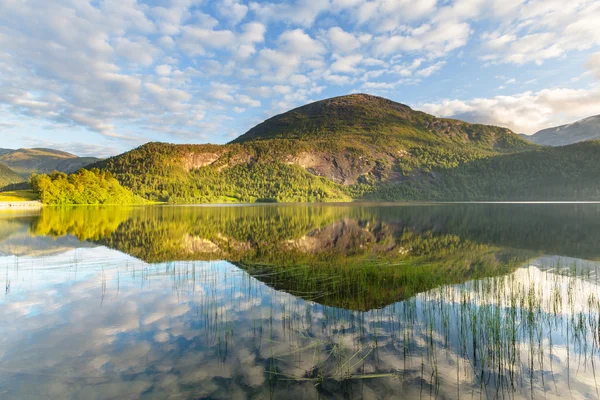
(8, 176)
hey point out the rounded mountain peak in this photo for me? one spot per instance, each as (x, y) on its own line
(332, 117)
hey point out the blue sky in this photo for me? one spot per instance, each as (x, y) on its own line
(98, 77)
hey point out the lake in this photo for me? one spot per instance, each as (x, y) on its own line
(366, 301)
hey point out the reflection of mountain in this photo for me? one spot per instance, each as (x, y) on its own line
(356, 257)
(351, 257)
(157, 234)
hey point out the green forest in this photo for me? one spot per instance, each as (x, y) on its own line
(569, 173)
(92, 187)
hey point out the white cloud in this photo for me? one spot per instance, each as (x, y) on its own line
(299, 43)
(169, 99)
(294, 52)
(194, 40)
(428, 71)
(378, 85)
(228, 94)
(118, 67)
(342, 41)
(431, 41)
(346, 64)
(232, 10)
(336, 79)
(163, 70)
(386, 15)
(253, 33)
(593, 64)
(299, 12)
(526, 112)
(540, 30)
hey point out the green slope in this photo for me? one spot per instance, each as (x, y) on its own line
(8, 176)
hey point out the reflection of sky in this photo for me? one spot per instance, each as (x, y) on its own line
(96, 323)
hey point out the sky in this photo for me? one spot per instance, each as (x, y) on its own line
(99, 77)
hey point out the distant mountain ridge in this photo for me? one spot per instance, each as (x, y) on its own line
(42, 160)
(579, 131)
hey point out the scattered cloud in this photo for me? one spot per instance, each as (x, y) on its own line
(526, 112)
(191, 70)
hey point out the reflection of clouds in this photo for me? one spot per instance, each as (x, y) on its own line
(552, 290)
(25, 245)
(110, 326)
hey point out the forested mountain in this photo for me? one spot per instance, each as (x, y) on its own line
(585, 129)
(357, 147)
(38, 160)
(568, 173)
(332, 150)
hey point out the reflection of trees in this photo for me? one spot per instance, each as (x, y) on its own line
(186, 233)
(355, 257)
(85, 223)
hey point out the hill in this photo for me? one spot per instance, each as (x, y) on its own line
(374, 121)
(585, 129)
(39, 160)
(8, 176)
(4, 151)
(568, 173)
(325, 151)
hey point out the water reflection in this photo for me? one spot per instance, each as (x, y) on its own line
(336, 302)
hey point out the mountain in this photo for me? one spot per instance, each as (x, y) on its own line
(585, 129)
(331, 150)
(39, 160)
(567, 173)
(371, 120)
(8, 176)
(4, 151)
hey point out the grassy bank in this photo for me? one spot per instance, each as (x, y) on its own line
(17, 196)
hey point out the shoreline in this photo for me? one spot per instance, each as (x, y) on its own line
(11, 205)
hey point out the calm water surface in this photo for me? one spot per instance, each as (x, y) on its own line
(457, 301)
